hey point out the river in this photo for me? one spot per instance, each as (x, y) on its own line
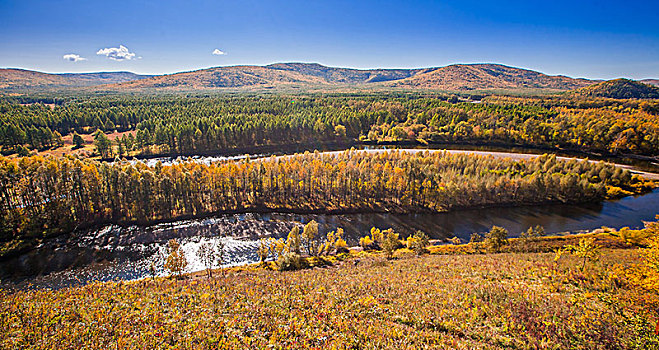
(114, 252)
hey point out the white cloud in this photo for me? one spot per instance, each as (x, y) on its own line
(73, 57)
(117, 53)
(219, 52)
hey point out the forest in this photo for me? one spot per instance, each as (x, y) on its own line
(187, 125)
(41, 196)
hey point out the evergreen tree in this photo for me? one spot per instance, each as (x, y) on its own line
(78, 141)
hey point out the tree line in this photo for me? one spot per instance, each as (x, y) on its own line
(48, 195)
(190, 124)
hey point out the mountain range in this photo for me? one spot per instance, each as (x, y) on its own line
(459, 77)
(22, 79)
(299, 76)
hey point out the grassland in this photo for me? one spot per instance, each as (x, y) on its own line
(67, 148)
(363, 301)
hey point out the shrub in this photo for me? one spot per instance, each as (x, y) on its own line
(264, 248)
(616, 192)
(418, 242)
(495, 239)
(367, 243)
(22, 151)
(646, 274)
(528, 240)
(334, 243)
(390, 243)
(340, 246)
(634, 237)
(279, 247)
(290, 262)
(377, 236)
(78, 142)
(476, 238)
(374, 241)
(455, 240)
(587, 250)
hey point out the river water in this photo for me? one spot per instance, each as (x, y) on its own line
(123, 253)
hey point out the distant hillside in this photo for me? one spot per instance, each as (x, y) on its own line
(654, 82)
(487, 77)
(299, 76)
(347, 75)
(271, 76)
(21, 79)
(223, 77)
(452, 78)
(620, 89)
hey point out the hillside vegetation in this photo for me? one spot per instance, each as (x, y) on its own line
(222, 77)
(45, 196)
(454, 78)
(483, 301)
(21, 80)
(620, 89)
(300, 77)
(347, 75)
(487, 77)
(176, 125)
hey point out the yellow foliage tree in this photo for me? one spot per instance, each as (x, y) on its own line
(587, 250)
(391, 242)
(366, 242)
(176, 262)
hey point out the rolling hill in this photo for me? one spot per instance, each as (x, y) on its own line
(300, 76)
(654, 82)
(223, 77)
(620, 89)
(21, 79)
(333, 75)
(487, 77)
(461, 77)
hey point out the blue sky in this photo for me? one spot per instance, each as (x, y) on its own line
(593, 39)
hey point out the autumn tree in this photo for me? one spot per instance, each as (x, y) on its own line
(293, 241)
(211, 255)
(340, 131)
(495, 239)
(586, 250)
(340, 245)
(309, 237)
(176, 263)
(334, 243)
(264, 249)
(418, 242)
(390, 243)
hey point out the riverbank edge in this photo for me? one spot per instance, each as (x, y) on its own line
(604, 237)
(302, 147)
(23, 247)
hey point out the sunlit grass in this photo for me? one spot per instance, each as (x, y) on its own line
(506, 300)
